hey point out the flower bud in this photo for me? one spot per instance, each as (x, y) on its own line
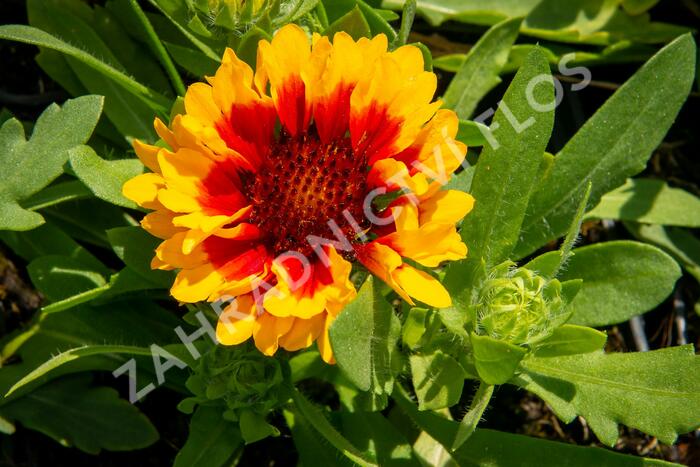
(239, 378)
(518, 306)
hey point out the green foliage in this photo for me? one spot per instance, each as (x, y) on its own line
(621, 279)
(650, 202)
(479, 71)
(89, 418)
(212, 441)
(656, 392)
(509, 323)
(364, 339)
(502, 182)
(613, 144)
(36, 162)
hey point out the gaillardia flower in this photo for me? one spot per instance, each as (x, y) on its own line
(267, 191)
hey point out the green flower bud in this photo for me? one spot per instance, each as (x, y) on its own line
(234, 15)
(518, 306)
(239, 378)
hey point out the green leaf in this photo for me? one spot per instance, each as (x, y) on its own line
(60, 277)
(136, 248)
(414, 326)
(75, 354)
(364, 338)
(613, 144)
(382, 440)
(30, 35)
(621, 279)
(75, 300)
(473, 416)
(212, 441)
(90, 418)
(495, 448)
(192, 60)
(679, 243)
(158, 48)
(353, 23)
(104, 178)
(505, 174)
(50, 240)
(254, 427)
(651, 202)
(656, 392)
(480, 71)
(56, 194)
(496, 361)
(472, 133)
(437, 380)
(323, 427)
(36, 162)
(312, 449)
(570, 339)
(407, 16)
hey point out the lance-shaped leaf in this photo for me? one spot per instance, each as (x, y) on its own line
(212, 441)
(507, 170)
(480, 71)
(655, 392)
(613, 144)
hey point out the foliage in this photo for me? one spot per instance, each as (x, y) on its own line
(524, 307)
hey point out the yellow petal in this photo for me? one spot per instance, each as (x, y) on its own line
(267, 331)
(237, 321)
(303, 333)
(422, 286)
(195, 285)
(144, 190)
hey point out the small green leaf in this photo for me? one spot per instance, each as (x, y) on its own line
(656, 392)
(479, 73)
(364, 338)
(613, 144)
(437, 380)
(650, 202)
(495, 361)
(621, 279)
(353, 23)
(254, 427)
(570, 339)
(104, 178)
(212, 441)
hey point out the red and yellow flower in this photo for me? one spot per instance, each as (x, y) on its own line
(264, 164)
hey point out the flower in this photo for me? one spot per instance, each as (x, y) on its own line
(268, 188)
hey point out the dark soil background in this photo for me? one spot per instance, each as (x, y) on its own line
(25, 91)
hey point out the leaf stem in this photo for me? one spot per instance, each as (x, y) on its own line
(409, 13)
(473, 416)
(158, 49)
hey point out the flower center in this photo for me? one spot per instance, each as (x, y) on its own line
(301, 186)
